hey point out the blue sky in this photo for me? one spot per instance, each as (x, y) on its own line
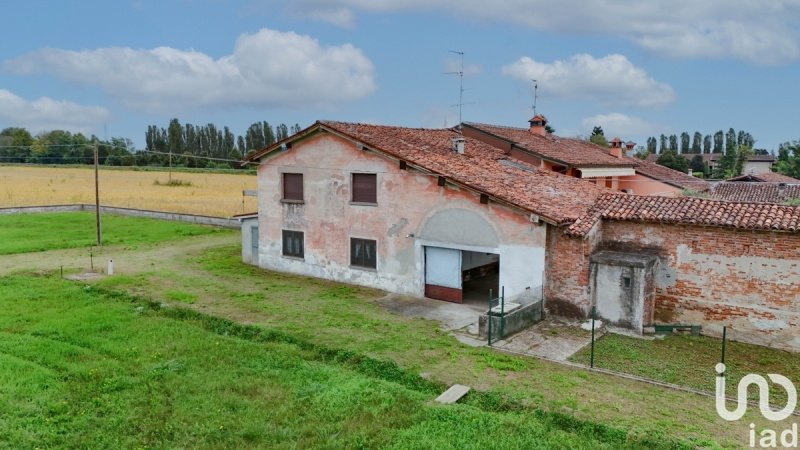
(642, 68)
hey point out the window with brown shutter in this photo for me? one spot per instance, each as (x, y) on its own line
(365, 188)
(293, 187)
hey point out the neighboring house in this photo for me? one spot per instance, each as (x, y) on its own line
(608, 167)
(437, 214)
(766, 177)
(755, 164)
(413, 211)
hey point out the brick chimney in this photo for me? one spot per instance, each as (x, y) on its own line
(616, 147)
(538, 123)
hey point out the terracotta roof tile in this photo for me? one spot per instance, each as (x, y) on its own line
(688, 211)
(574, 152)
(755, 192)
(556, 197)
(767, 177)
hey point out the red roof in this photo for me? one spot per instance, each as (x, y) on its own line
(689, 211)
(567, 151)
(767, 177)
(556, 198)
(739, 191)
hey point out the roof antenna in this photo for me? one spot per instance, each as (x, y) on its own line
(535, 95)
(460, 74)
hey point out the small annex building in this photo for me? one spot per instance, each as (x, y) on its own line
(425, 212)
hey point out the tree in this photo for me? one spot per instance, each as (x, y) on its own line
(684, 142)
(652, 145)
(641, 152)
(697, 165)
(718, 141)
(743, 153)
(707, 144)
(673, 143)
(789, 158)
(670, 158)
(730, 141)
(697, 143)
(663, 147)
(175, 143)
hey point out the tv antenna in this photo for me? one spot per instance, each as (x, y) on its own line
(460, 74)
(535, 94)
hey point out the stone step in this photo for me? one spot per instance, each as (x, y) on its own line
(453, 394)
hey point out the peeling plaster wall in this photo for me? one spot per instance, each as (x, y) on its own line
(747, 280)
(409, 203)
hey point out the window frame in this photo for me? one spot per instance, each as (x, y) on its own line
(293, 234)
(361, 262)
(353, 200)
(285, 199)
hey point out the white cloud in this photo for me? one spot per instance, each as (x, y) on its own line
(611, 80)
(758, 32)
(45, 113)
(621, 125)
(266, 69)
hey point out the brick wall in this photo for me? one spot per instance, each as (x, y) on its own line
(567, 273)
(746, 280)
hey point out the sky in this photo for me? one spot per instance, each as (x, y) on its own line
(111, 68)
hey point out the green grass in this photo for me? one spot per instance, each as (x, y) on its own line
(86, 367)
(689, 360)
(22, 233)
(348, 317)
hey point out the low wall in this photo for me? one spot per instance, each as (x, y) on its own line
(515, 321)
(163, 215)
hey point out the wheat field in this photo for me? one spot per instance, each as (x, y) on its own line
(210, 194)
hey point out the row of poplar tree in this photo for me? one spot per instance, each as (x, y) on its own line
(200, 146)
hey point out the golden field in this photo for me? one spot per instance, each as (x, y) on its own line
(210, 194)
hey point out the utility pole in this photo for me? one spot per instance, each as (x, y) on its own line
(170, 166)
(97, 192)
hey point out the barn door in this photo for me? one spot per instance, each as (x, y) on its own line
(254, 245)
(443, 274)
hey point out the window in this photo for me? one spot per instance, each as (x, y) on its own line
(362, 253)
(293, 244)
(626, 282)
(365, 188)
(293, 187)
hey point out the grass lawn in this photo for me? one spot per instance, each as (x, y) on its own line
(22, 233)
(285, 361)
(689, 361)
(90, 368)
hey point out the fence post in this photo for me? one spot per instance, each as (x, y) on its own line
(724, 340)
(502, 312)
(591, 357)
(489, 319)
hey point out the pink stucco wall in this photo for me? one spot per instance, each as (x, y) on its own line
(409, 203)
(642, 185)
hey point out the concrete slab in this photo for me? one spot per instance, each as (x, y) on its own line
(551, 338)
(453, 394)
(452, 316)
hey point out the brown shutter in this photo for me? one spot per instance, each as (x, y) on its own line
(365, 188)
(293, 186)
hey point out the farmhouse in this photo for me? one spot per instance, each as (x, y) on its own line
(447, 216)
(608, 167)
(414, 211)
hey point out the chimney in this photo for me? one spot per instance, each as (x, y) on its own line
(458, 144)
(616, 147)
(538, 122)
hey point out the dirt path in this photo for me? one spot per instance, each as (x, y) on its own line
(126, 259)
